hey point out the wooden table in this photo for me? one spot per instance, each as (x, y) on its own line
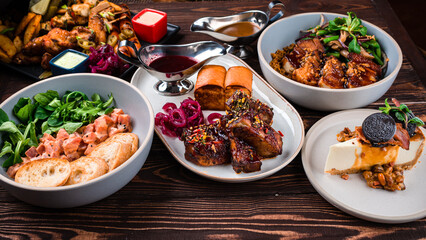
(166, 201)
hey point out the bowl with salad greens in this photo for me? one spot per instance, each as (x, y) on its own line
(69, 107)
(328, 61)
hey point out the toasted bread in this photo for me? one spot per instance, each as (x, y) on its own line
(209, 88)
(85, 169)
(48, 172)
(116, 149)
(238, 78)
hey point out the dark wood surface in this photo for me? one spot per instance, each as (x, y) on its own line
(167, 201)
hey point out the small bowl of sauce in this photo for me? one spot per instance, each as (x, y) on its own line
(69, 61)
(172, 64)
(150, 25)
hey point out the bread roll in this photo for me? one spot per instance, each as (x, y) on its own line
(85, 169)
(48, 172)
(238, 78)
(116, 149)
(209, 88)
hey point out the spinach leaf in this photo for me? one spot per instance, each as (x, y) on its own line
(41, 113)
(7, 148)
(3, 116)
(23, 110)
(45, 98)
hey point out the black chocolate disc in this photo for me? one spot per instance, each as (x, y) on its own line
(379, 127)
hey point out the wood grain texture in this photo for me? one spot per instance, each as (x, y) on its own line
(167, 201)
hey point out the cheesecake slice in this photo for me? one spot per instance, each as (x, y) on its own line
(353, 156)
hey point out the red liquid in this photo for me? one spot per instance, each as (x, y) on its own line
(169, 64)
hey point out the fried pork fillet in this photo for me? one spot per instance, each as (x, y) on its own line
(333, 75)
(362, 71)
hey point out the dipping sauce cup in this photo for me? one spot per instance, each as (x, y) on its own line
(150, 25)
(69, 61)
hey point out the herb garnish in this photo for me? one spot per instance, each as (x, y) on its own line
(402, 113)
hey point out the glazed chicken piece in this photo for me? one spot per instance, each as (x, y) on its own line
(97, 25)
(311, 45)
(45, 59)
(333, 75)
(62, 21)
(244, 158)
(206, 145)
(23, 59)
(309, 72)
(240, 102)
(83, 33)
(293, 60)
(34, 47)
(57, 40)
(80, 13)
(256, 133)
(361, 71)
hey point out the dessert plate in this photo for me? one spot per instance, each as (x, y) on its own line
(286, 119)
(353, 196)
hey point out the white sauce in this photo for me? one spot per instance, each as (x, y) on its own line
(70, 60)
(149, 18)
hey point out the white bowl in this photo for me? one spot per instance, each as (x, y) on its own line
(127, 97)
(285, 31)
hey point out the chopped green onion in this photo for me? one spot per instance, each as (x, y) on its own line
(64, 6)
(322, 32)
(7, 30)
(111, 14)
(336, 54)
(329, 39)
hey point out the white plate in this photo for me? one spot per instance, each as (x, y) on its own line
(286, 120)
(353, 196)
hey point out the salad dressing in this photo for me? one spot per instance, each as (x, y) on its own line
(70, 60)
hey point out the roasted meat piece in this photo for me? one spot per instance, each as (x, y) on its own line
(244, 157)
(361, 71)
(240, 102)
(293, 60)
(309, 72)
(57, 40)
(311, 45)
(206, 145)
(256, 133)
(333, 75)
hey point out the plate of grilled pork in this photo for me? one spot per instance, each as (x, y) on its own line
(244, 130)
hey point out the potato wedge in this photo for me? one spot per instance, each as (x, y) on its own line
(24, 22)
(31, 28)
(18, 43)
(7, 46)
(4, 58)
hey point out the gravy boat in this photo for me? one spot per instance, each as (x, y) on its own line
(172, 83)
(238, 45)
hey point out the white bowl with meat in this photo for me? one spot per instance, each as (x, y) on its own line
(91, 143)
(312, 74)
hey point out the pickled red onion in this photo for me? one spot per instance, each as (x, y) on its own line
(175, 119)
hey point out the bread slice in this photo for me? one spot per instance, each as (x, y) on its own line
(116, 149)
(48, 172)
(85, 169)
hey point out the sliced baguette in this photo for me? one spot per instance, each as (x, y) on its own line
(48, 172)
(86, 168)
(116, 149)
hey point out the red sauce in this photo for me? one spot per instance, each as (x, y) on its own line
(169, 64)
